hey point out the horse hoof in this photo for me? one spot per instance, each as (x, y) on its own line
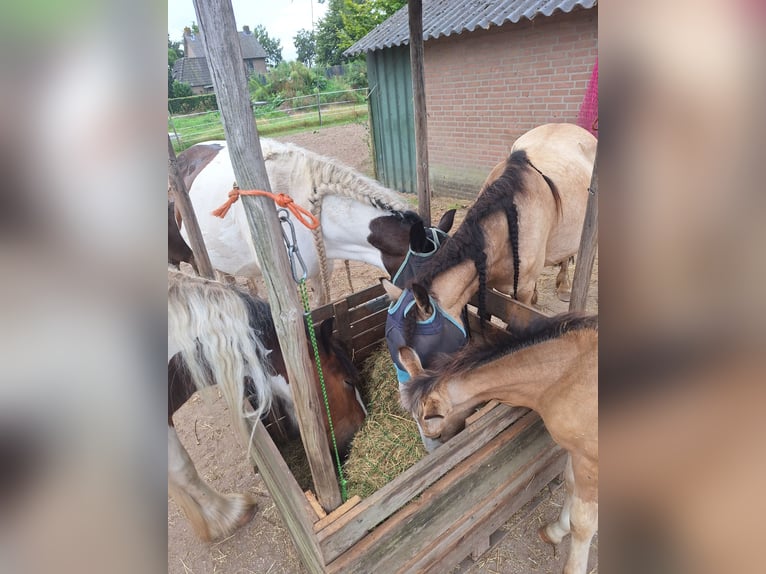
(564, 296)
(544, 536)
(248, 513)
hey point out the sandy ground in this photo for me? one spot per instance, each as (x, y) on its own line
(264, 546)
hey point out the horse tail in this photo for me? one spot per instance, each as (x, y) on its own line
(209, 325)
(556, 194)
(551, 185)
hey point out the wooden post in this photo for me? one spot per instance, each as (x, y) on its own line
(415, 8)
(183, 202)
(586, 255)
(224, 56)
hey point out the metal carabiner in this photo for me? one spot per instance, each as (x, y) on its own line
(291, 242)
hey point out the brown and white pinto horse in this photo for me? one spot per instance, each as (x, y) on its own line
(360, 219)
(552, 368)
(219, 335)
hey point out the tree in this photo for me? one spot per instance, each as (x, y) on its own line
(180, 90)
(305, 46)
(174, 52)
(273, 46)
(348, 21)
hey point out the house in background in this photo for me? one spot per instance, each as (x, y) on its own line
(494, 69)
(192, 69)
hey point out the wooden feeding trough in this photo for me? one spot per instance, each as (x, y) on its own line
(447, 505)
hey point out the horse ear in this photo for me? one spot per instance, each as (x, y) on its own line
(422, 300)
(392, 290)
(325, 334)
(418, 239)
(447, 220)
(409, 358)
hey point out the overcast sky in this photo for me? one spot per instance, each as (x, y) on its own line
(281, 18)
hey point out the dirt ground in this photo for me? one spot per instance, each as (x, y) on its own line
(264, 546)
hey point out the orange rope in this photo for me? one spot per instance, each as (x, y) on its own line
(282, 200)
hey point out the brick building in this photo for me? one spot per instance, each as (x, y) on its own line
(493, 70)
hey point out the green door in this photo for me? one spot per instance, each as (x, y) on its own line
(391, 118)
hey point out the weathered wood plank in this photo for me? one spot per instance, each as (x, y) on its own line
(224, 57)
(586, 255)
(341, 323)
(288, 498)
(363, 310)
(415, 17)
(507, 462)
(337, 513)
(479, 548)
(365, 295)
(450, 548)
(370, 336)
(481, 412)
(508, 310)
(351, 527)
(370, 321)
(315, 506)
(184, 204)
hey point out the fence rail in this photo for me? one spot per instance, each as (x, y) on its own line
(314, 110)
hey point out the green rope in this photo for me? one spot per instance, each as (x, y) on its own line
(312, 335)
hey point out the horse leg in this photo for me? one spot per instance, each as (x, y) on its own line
(584, 520)
(211, 514)
(563, 285)
(555, 531)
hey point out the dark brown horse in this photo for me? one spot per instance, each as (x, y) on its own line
(219, 335)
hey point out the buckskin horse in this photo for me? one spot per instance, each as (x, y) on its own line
(529, 214)
(219, 335)
(359, 218)
(550, 367)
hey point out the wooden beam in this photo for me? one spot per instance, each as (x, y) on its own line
(289, 499)
(183, 202)
(586, 255)
(415, 8)
(224, 56)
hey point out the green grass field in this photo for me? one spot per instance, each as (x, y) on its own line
(195, 129)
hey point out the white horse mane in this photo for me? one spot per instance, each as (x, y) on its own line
(330, 177)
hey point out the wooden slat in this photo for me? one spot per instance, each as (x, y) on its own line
(224, 57)
(367, 308)
(314, 503)
(322, 313)
(481, 412)
(370, 336)
(409, 540)
(370, 321)
(586, 254)
(365, 295)
(337, 513)
(295, 509)
(342, 323)
(351, 527)
(479, 548)
(451, 548)
(507, 309)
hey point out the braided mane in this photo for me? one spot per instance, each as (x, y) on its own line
(330, 177)
(469, 242)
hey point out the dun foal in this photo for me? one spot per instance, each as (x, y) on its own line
(552, 368)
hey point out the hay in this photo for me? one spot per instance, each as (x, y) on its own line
(389, 442)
